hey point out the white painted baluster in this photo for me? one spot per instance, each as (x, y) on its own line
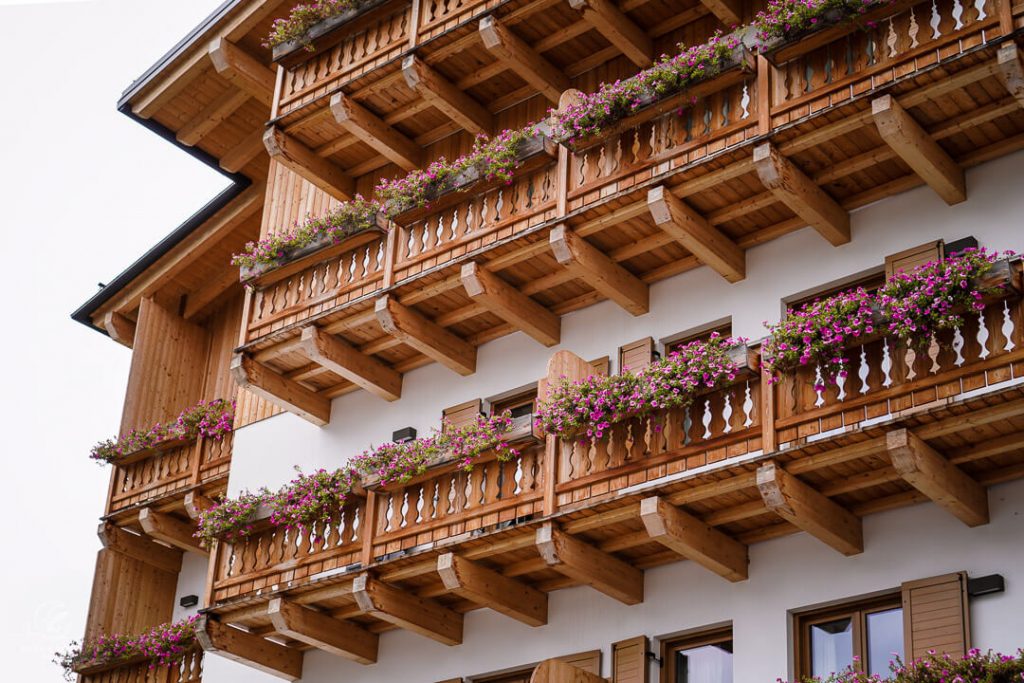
(420, 499)
(707, 419)
(451, 496)
(958, 12)
(935, 20)
(980, 6)
(745, 101)
(886, 364)
(914, 28)
(890, 39)
(1007, 328)
(405, 509)
(357, 519)
(841, 386)
(819, 382)
(389, 512)
(983, 335)
(748, 407)
(933, 353)
(518, 478)
(910, 358)
(727, 413)
(958, 346)
(863, 372)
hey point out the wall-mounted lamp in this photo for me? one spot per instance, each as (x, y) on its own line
(403, 435)
(189, 601)
(986, 585)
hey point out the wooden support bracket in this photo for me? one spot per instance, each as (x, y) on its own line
(489, 588)
(444, 96)
(617, 28)
(427, 337)
(918, 150)
(120, 328)
(803, 197)
(588, 263)
(809, 510)
(516, 55)
(170, 530)
(304, 162)
(1011, 70)
(929, 472)
(511, 305)
(688, 227)
(242, 69)
(249, 649)
(337, 636)
(411, 612)
(371, 129)
(278, 389)
(196, 504)
(729, 12)
(694, 539)
(211, 116)
(343, 359)
(584, 563)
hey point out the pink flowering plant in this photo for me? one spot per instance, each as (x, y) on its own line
(231, 519)
(491, 158)
(818, 333)
(974, 667)
(589, 407)
(163, 645)
(311, 498)
(347, 219)
(789, 18)
(212, 419)
(302, 18)
(936, 295)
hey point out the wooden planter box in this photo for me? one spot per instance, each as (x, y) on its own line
(322, 34)
(299, 258)
(533, 153)
(136, 456)
(730, 72)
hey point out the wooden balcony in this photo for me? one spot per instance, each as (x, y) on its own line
(813, 130)
(188, 670)
(746, 463)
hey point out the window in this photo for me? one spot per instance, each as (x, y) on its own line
(864, 633)
(870, 282)
(674, 342)
(702, 658)
(521, 676)
(521, 406)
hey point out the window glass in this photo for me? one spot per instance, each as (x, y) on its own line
(831, 646)
(885, 639)
(704, 664)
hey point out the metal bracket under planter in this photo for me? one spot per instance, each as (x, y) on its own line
(321, 34)
(533, 153)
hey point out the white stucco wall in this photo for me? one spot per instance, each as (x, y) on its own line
(191, 581)
(786, 573)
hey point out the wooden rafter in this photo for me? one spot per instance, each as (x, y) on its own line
(249, 649)
(518, 56)
(242, 153)
(337, 636)
(588, 263)
(140, 548)
(617, 28)
(342, 358)
(411, 612)
(427, 337)
(511, 305)
(368, 127)
(694, 539)
(918, 150)
(242, 69)
(1011, 70)
(120, 328)
(441, 94)
(210, 293)
(170, 530)
(486, 587)
(809, 510)
(211, 116)
(583, 562)
(929, 472)
(303, 161)
(278, 389)
(693, 231)
(196, 503)
(729, 12)
(803, 197)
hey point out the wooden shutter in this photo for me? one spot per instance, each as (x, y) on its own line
(462, 414)
(935, 616)
(909, 259)
(629, 660)
(602, 365)
(636, 355)
(589, 661)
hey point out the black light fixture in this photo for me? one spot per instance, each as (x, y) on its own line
(404, 435)
(986, 585)
(956, 246)
(189, 601)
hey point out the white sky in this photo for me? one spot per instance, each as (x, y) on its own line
(83, 192)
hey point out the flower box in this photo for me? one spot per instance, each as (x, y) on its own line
(321, 35)
(97, 667)
(144, 453)
(533, 152)
(296, 259)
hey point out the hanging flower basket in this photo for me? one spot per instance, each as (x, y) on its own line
(316, 36)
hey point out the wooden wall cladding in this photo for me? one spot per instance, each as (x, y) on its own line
(128, 595)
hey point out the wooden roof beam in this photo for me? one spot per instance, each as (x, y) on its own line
(516, 55)
(584, 563)
(249, 649)
(729, 12)
(343, 359)
(279, 390)
(588, 263)
(368, 127)
(1011, 70)
(688, 227)
(929, 472)
(120, 328)
(142, 548)
(409, 327)
(196, 503)
(337, 636)
(511, 305)
(693, 539)
(804, 198)
(211, 116)
(303, 161)
(242, 69)
(612, 23)
(918, 150)
(210, 293)
(809, 510)
(170, 530)
(444, 96)
(247, 149)
(488, 588)
(411, 612)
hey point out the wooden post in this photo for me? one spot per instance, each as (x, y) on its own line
(764, 95)
(1005, 10)
(197, 465)
(211, 573)
(414, 23)
(563, 171)
(769, 440)
(368, 528)
(570, 366)
(391, 248)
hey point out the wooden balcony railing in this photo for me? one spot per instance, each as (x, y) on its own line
(189, 669)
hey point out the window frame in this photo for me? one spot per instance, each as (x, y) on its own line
(857, 609)
(870, 281)
(702, 333)
(704, 637)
